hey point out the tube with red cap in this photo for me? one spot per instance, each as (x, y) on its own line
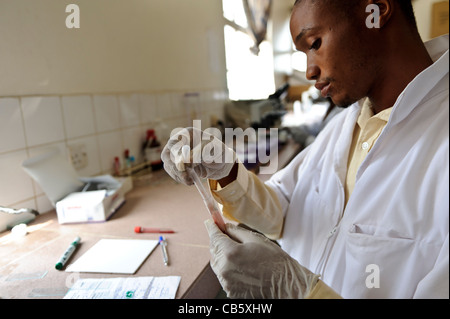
(139, 229)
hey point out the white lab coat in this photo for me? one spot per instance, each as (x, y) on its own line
(391, 240)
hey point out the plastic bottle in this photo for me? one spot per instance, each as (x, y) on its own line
(152, 150)
(117, 166)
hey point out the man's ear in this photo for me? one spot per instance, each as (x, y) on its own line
(384, 10)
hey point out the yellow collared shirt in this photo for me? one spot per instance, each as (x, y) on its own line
(366, 132)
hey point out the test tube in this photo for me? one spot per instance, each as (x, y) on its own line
(209, 201)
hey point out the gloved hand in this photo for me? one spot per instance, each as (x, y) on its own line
(249, 265)
(209, 157)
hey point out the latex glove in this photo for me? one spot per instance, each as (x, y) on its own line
(249, 265)
(209, 157)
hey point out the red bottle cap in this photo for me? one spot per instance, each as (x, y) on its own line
(150, 133)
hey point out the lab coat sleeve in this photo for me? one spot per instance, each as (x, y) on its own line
(249, 201)
(284, 182)
(435, 285)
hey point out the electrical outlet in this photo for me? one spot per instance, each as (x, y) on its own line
(78, 156)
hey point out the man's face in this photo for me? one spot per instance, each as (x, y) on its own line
(340, 56)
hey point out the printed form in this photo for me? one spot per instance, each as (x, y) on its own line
(125, 288)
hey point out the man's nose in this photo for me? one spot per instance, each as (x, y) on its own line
(312, 71)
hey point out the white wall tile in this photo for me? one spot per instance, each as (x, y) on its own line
(43, 204)
(43, 120)
(35, 151)
(110, 146)
(107, 114)
(207, 100)
(12, 136)
(177, 105)
(129, 110)
(190, 106)
(15, 184)
(148, 109)
(164, 105)
(93, 156)
(78, 115)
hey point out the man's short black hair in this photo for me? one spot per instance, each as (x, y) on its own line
(345, 6)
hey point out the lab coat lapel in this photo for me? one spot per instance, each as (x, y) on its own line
(341, 151)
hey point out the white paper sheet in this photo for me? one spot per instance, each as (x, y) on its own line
(125, 288)
(121, 256)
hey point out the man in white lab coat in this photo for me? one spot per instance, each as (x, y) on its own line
(363, 212)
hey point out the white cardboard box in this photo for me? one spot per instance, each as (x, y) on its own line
(94, 205)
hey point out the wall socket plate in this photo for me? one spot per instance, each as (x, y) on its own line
(78, 156)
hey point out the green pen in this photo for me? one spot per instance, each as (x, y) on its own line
(69, 251)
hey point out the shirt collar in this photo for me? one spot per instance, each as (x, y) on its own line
(367, 113)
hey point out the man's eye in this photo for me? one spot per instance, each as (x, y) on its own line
(316, 44)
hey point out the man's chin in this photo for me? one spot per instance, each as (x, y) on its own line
(344, 103)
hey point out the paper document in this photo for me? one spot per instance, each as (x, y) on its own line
(121, 256)
(125, 288)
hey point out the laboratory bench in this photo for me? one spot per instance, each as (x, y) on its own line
(27, 263)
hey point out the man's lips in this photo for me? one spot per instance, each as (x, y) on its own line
(323, 87)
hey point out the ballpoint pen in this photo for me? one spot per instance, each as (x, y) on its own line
(163, 244)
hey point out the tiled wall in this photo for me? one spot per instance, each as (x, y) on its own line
(105, 124)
